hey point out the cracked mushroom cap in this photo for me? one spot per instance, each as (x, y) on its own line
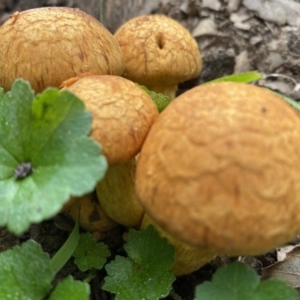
(122, 113)
(158, 52)
(51, 44)
(220, 169)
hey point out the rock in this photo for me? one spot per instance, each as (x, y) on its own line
(185, 7)
(278, 11)
(239, 21)
(233, 5)
(274, 60)
(205, 26)
(242, 63)
(212, 4)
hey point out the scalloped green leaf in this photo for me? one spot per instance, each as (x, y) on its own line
(90, 254)
(146, 272)
(45, 154)
(25, 272)
(71, 289)
(161, 100)
(235, 281)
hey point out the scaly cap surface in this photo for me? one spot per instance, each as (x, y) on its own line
(49, 45)
(122, 114)
(158, 51)
(220, 169)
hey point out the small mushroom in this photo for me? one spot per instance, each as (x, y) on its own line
(219, 169)
(122, 116)
(92, 216)
(158, 52)
(51, 44)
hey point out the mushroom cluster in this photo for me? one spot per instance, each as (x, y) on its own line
(215, 172)
(219, 170)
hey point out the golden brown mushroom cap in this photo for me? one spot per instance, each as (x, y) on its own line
(220, 169)
(158, 51)
(122, 113)
(49, 45)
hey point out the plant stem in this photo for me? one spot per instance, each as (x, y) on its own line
(65, 252)
(174, 295)
(90, 275)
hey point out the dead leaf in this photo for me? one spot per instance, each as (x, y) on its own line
(284, 251)
(287, 270)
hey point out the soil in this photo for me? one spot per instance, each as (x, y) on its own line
(234, 36)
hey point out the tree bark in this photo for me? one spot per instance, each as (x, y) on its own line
(116, 12)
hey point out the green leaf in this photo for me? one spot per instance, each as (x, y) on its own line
(274, 289)
(25, 272)
(146, 272)
(71, 289)
(246, 77)
(1, 92)
(45, 154)
(89, 254)
(160, 99)
(235, 281)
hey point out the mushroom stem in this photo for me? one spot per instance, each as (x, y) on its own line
(167, 90)
(116, 194)
(187, 259)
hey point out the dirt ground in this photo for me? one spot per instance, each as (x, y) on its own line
(234, 36)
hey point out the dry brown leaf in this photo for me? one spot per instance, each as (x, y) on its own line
(284, 251)
(288, 269)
